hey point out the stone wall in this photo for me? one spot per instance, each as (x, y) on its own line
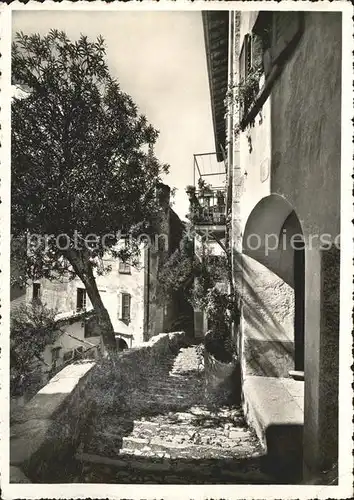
(45, 432)
(46, 429)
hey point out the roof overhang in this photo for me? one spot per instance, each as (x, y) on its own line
(216, 36)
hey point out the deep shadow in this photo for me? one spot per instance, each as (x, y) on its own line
(285, 452)
(107, 426)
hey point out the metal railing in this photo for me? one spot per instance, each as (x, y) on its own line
(210, 207)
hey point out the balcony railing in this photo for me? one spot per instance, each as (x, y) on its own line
(208, 207)
(207, 195)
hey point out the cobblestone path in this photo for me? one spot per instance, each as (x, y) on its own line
(169, 435)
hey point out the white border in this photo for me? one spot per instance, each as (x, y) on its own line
(345, 487)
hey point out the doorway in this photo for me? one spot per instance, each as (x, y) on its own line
(299, 313)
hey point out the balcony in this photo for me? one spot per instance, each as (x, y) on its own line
(207, 196)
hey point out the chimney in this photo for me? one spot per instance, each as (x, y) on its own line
(163, 193)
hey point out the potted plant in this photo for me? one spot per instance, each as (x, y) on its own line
(205, 189)
(190, 190)
(221, 363)
(220, 198)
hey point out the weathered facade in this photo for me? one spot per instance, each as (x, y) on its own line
(283, 160)
(162, 313)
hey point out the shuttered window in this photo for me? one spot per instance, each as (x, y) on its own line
(273, 38)
(80, 299)
(124, 267)
(245, 58)
(36, 292)
(125, 306)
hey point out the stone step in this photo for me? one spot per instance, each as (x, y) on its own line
(219, 469)
(187, 449)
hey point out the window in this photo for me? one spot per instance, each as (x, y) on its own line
(67, 356)
(80, 299)
(36, 292)
(245, 58)
(78, 351)
(124, 267)
(262, 40)
(125, 313)
(91, 328)
(246, 64)
(55, 356)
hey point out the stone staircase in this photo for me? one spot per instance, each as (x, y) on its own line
(169, 435)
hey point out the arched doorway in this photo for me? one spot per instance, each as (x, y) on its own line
(274, 280)
(294, 237)
(122, 345)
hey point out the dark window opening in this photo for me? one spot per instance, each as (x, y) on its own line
(262, 35)
(78, 351)
(124, 267)
(67, 356)
(55, 356)
(80, 299)
(36, 292)
(91, 328)
(122, 345)
(299, 318)
(126, 300)
(250, 64)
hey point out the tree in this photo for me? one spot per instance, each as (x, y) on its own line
(83, 167)
(201, 282)
(32, 329)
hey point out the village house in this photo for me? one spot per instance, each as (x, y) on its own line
(129, 292)
(275, 85)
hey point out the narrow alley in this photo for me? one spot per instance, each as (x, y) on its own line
(167, 434)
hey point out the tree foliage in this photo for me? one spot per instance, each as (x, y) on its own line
(32, 328)
(205, 282)
(82, 161)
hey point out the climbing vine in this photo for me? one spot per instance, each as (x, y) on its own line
(240, 96)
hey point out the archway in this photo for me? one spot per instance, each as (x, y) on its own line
(122, 345)
(294, 236)
(274, 281)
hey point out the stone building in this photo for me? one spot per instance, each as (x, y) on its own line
(130, 293)
(275, 85)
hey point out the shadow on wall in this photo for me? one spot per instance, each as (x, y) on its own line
(268, 319)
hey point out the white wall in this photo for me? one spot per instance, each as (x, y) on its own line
(61, 296)
(68, 343)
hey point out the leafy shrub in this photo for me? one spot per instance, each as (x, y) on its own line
(32, 328)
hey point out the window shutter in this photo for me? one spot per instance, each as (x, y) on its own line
(80, 299)
(119, 306)
(287, 27)
(248, 53)
(125, 306)
(256, 51)
(242, 61)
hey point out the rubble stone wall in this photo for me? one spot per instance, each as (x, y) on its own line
(45, 432)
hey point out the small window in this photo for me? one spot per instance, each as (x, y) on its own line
(67, 356)
(91, 328)
(55, 355)
(78, 351)
(125, 313)
(124, 267)
(80, 299)
(36, 292)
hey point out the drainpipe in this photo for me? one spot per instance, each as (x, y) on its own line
(147, 295)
